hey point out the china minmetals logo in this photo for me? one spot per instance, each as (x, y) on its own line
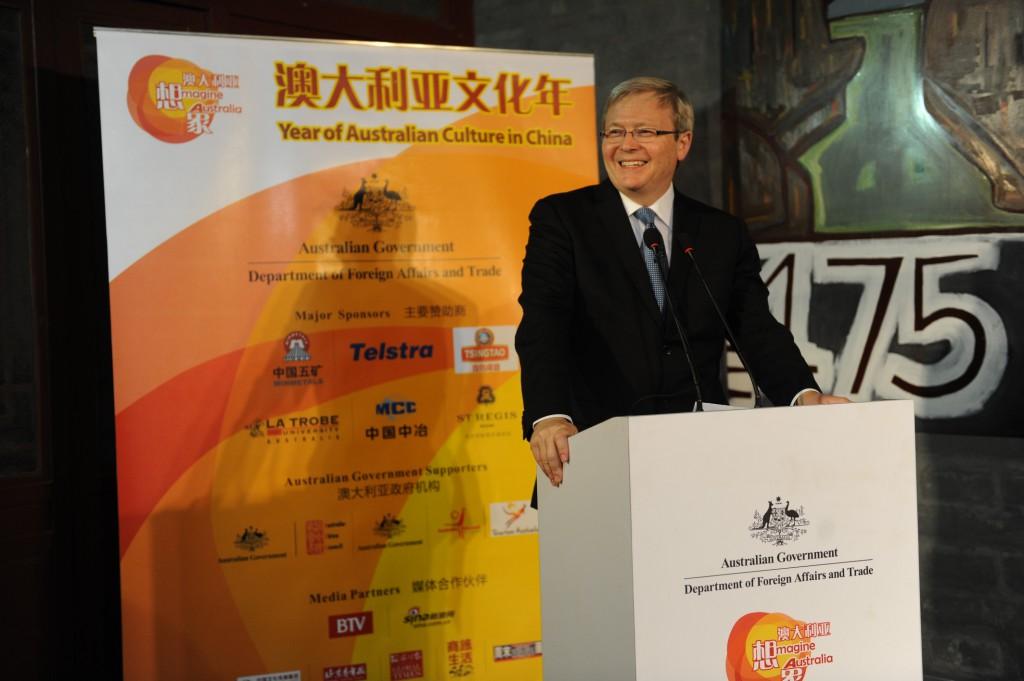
(176, 100)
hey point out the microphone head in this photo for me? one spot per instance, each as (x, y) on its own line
(652, 237)
(683, 240)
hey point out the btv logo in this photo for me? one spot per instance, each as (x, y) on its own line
(352, 624)
(391, 407)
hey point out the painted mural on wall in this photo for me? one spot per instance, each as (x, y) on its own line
(879, 160)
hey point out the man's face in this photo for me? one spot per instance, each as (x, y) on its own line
(642, 170)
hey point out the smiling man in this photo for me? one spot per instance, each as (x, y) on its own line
(596, 340)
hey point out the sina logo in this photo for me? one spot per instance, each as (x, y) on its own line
(389, 526)
(251, 539)
(376, 205)
(414, 616)
(778, 523)
(296, 346)
(485, 395)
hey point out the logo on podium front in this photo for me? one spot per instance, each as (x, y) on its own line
(779, 523)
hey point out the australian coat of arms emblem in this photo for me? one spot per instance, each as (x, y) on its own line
(389, 526)
(251, 539)
(778, 524)
(375, 205)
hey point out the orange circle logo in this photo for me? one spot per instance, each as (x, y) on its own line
(767, 646)
(172, 99)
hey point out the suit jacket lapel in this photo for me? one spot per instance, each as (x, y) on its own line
(619, 234)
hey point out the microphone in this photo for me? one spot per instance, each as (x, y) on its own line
(653, 241)
(684, 241)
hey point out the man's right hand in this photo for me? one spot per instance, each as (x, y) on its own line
(550, 446)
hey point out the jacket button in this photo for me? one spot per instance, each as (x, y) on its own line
(667, 349)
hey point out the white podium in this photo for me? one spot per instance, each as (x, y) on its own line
(756, 544)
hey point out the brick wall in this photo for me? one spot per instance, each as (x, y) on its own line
(971, 528)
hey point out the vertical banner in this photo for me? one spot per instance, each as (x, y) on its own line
(314, 253)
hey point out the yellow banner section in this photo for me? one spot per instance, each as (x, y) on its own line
(320, 465)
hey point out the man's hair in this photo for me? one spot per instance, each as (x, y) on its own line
(667, 93)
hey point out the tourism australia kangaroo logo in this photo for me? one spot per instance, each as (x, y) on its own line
(779, 524)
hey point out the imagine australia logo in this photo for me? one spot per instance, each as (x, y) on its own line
(176, 101)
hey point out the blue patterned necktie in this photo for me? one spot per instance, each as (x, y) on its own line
(646, 216)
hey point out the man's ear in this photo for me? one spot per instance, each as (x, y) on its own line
(683, 144)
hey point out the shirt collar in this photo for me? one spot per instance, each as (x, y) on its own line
(662, 207)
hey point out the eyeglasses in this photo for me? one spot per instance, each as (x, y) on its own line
(639, 134)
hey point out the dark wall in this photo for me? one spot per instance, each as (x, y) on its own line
(674, 40)
(899, 123)
(970, 511)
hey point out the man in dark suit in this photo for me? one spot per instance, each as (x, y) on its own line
(595, 340)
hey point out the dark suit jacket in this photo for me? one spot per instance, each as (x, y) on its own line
(592, 341)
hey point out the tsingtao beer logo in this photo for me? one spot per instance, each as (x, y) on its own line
(175, 100)
(484, 349)
(773, 646)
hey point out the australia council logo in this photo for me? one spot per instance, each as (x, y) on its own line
(375, 206)
(176, 101)
(251, 539)
(778, 524)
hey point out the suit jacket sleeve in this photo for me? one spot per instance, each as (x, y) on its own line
(543, 336)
